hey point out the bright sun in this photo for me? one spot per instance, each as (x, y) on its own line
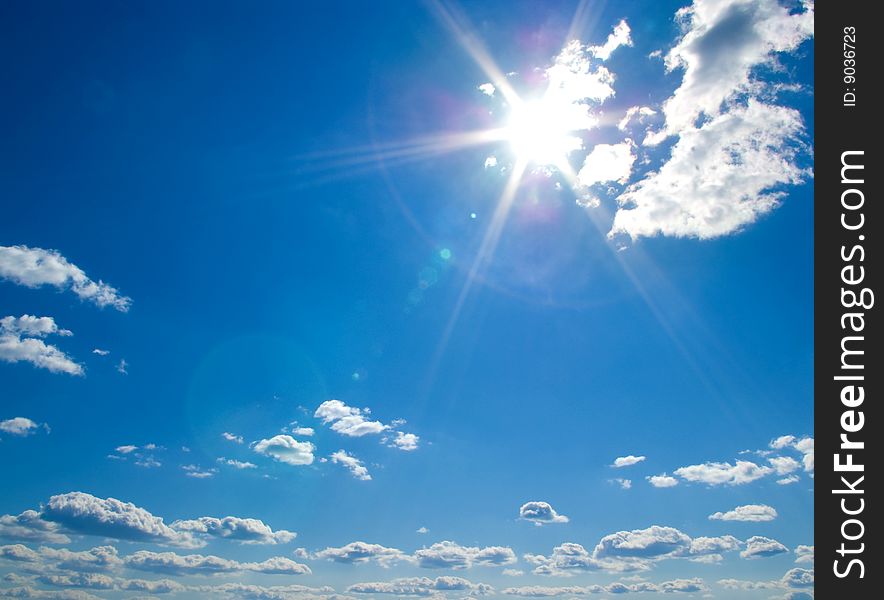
(540, 133)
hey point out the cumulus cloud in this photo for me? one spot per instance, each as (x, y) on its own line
(784, 465)
(761, 547)
(565, 560)
(362, 552)
(451, 555)
(662, 481)
(198, 564)
(747, 512)
(347, 420)
(804, 554)
(487, 88)
(100, 558)
(618, 37)
(540, 513)
(722, 43)
(720, 177)
(405, 441)
(803, 445)
(230, 437)
(19, 426)
(29, 526)
(353, 464)
(712, 473)
(627, 461)
(86, 514)
(286, 449)
(36, 267)
(686, 586)
(247, 531)
(18, 553)
(421, 586)
(607, 162)
(20, 341)
(653, 542)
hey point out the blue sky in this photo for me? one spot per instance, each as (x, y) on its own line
(407, 300)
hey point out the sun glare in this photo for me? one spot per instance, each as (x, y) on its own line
(541, 134)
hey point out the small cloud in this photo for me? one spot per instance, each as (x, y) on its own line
(198, 472)
(804, 554)
(491, 162)
(353, 464)
(237, 464)
(286, 449)
(487, 88)
(305, 431)
(748, 512)
(423, 530)
(662, 481)
(230, 437)
(762, 547)
(21, 426)
(123, 367)
(540, 513)
(788, 480)
(405, 441)
(627, 461)
(100, 352)
(513, 572)
(625, 484)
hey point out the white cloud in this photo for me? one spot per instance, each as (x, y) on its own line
(713, 546)
(197, 564)
(451, 555)
(720, 177)
(347, 420)
(540, 513)
(662, 481)
(247, 531)
(237, 464)
(723, 41)
(651, 543)
(760, 547)
(18, 553)
(618, 37)
(788, 480)
(230, 437)
(17, 346)
(804, 554)
(405, 441)
(803, 445)
(627, 461)
(490, 162)
(198, 472)
(423, 530)
(487, 88)
(100, 352)
(362, 552)
(634, 112)
(126, 449)
(353, 464)
(99, 558)
(286, 449)
(421, 586)
(20, 426)
(713, 473)
(35, 267)
(86, 514)
(624, 483)
(305, 431)
(123, 367)
(30, 527)
(512, 572)
(784, 465)
(565, 560)
(747, 512)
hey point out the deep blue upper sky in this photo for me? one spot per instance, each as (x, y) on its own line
(226, 166)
